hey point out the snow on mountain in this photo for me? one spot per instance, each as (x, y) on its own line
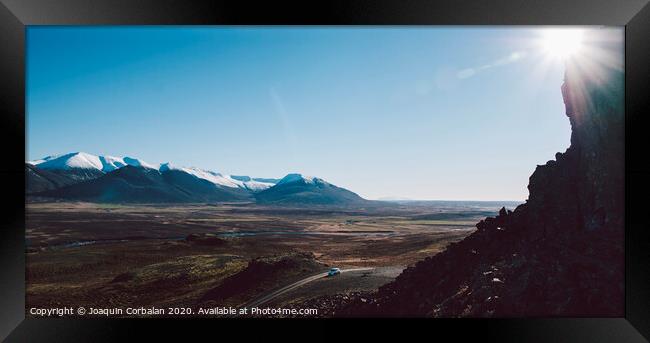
(110, 163)
(242, 178)
(106, 164)
(82, 160)
(220, 179)
(266, 180)
(256, 182)
(300, 190)
(44, 159)
(138, 163)
(299, 177)
(216, 178)
(257, 185)
(79, 160)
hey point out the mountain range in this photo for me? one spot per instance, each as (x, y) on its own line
(86, 177)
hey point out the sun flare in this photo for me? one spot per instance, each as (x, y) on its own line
(562, 43)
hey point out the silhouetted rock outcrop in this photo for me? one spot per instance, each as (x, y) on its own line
(560, 254)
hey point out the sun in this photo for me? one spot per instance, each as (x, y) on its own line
(561, 43)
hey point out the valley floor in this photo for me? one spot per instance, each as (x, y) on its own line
(205, 256)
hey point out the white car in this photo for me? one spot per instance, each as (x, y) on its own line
(334, 271)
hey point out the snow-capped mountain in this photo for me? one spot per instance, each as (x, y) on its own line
(78, 161)
(82, 160)
(216, 178)
(300, 178)
(220, 179)
(257, 186)
(256, 183)
(297, 189)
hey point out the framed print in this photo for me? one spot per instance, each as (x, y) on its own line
(461, 167)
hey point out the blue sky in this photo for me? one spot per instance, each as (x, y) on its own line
(413, 112)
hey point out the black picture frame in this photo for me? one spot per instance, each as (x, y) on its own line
(15, 15)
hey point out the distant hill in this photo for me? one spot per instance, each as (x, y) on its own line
(299, 189)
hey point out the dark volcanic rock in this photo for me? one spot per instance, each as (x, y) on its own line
(261, 273)
(124, 277)
(327, 306)
(560, 254)
(205, 240)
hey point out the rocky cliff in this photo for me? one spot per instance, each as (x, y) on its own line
(560, 253)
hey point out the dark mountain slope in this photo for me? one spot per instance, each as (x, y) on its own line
(203, 190)
(144, 185)
(127, 184)
(560, 254)
(39, 180)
